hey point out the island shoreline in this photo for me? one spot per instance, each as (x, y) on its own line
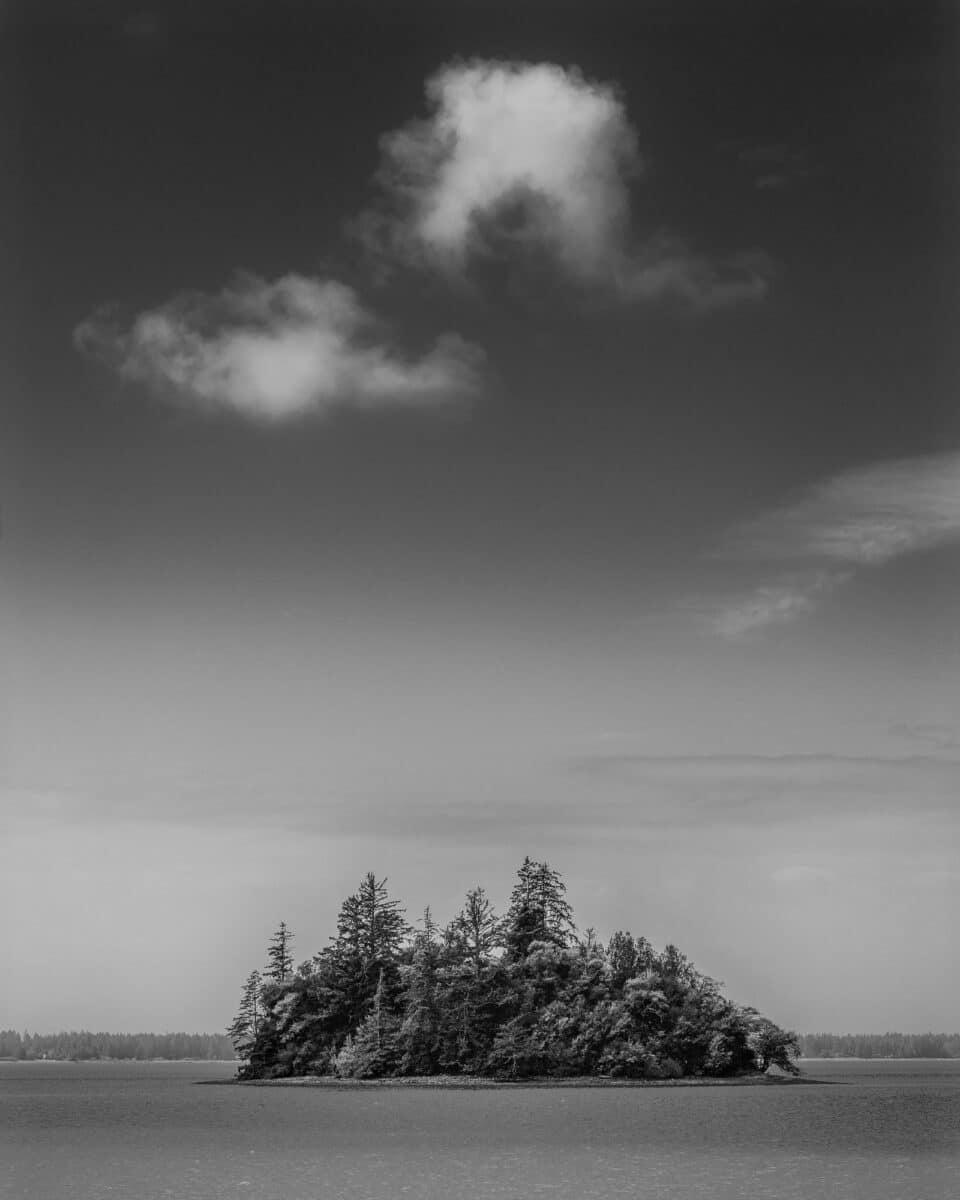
(455, 1083)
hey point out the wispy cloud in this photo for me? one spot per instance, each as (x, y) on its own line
(276, 350)
(862, 518)
(769, 604)
(523, 155)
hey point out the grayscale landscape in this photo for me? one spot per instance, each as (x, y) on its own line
(479, 576)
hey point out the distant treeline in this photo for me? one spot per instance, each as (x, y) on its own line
(880, 1045)
(510, 997)
(81, 1045)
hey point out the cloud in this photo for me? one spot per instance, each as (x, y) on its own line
(535, 156)
(863, 517)
(559, 147)
(278, 350)
(770, 604)
(860, 519)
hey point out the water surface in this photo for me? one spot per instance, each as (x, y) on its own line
(143, 1131)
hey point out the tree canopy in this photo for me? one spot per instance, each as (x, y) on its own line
(511, 997)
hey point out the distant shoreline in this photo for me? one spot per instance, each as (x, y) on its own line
(876, 1058)
(107, 1059)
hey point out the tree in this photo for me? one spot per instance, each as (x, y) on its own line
(628, 957)
(420, 1031)
(621, 959)
(279, 956)
(245, 1027)
(371, 927)
(370, 932)
(538, 909)
(771, 1045)
(674, 967)
(374, 1048)
(476, 929)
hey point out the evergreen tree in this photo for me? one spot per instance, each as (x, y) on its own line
(538, 909)
(370, 932)
(371, 927)
(381, 924)
(375, 1047)
(420, 1030)
(476, 930)
(245, 1027)
(279, 956)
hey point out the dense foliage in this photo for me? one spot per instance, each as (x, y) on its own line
(512, 997)
(880, 1045)
(81, 1045)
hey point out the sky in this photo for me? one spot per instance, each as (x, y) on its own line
(439, 433)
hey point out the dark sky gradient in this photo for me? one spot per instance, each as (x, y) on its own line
(245, 660)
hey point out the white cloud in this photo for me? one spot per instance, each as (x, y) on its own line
(864, 517)
(861, 518)
(278, 350)
(544, 137)
(771, 604)
(521, 155)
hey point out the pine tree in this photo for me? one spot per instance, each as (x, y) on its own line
(370, 927)
(538, 910)
(476, 930)
(279, 957)
(245, 1027)
(375, 1048)
(381, 924)
(370, 931)
(420, 1030)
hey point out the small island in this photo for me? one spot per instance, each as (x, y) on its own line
(512, 998)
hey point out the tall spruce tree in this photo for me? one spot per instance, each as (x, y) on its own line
(279, 955)
(375, 1045)
(420, 1031)
(381, 923)
(371, 929)
(245, 1027)
(538, 910)
(476, 930)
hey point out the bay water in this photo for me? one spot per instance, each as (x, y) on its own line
(880, 1130)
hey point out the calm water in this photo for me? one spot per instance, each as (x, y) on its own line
(145, 1132)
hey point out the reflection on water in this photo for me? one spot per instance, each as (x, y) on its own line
(891, 1131)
